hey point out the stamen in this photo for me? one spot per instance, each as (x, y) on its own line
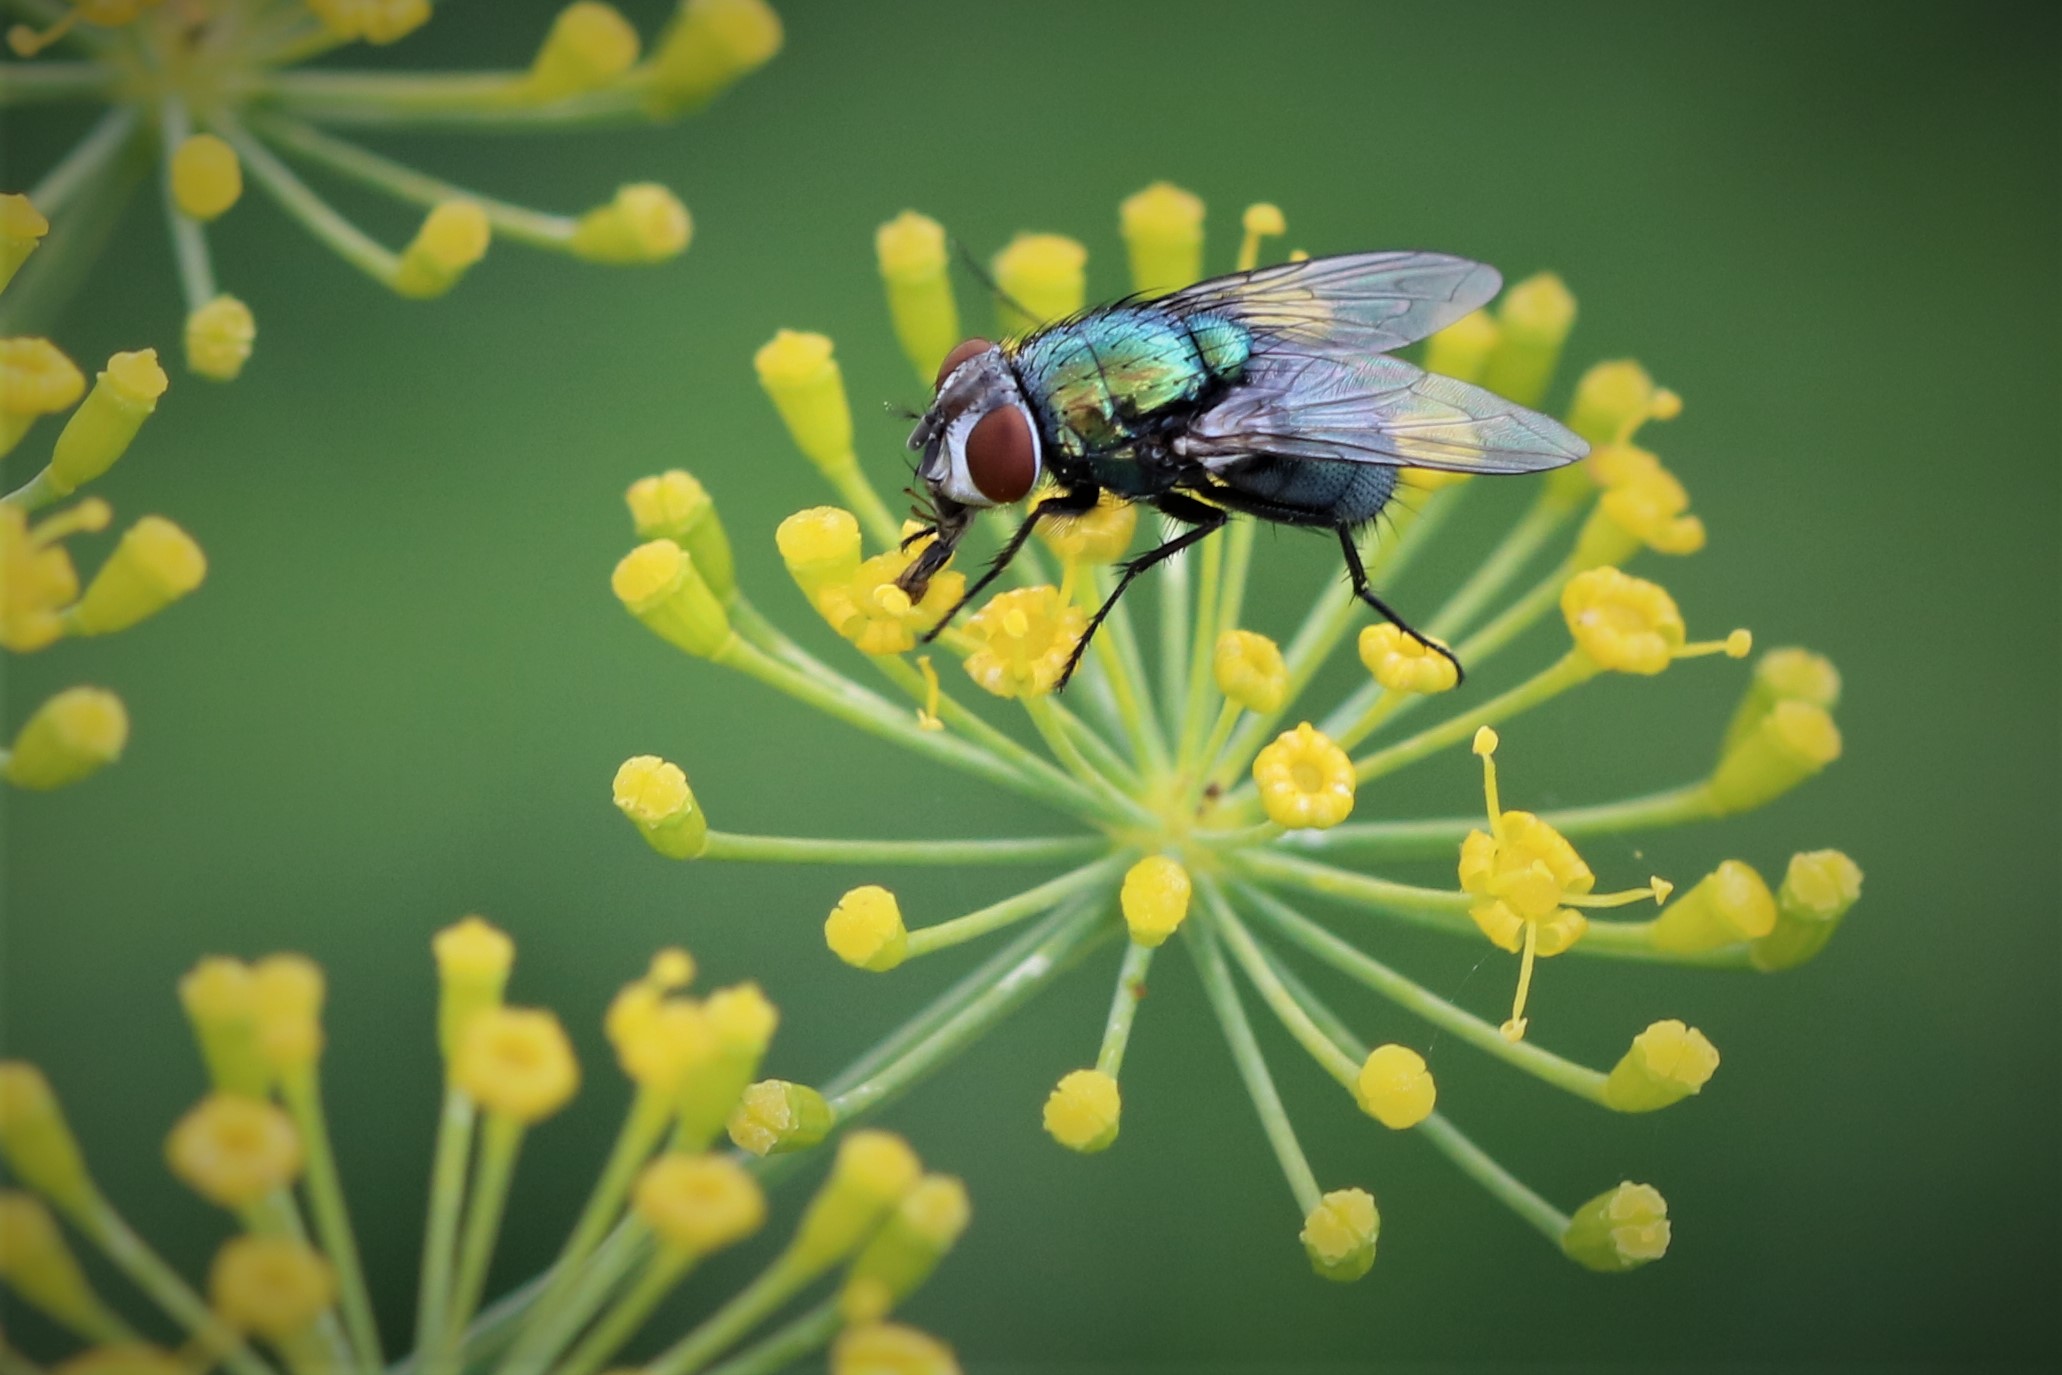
(927, 715)
(1485, 746)
(1514, 1029)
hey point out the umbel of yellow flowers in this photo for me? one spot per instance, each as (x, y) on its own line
(1208, 795)
(286, 1290)
(230, 103)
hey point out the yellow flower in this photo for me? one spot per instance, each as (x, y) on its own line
(775, 1117)
(884, 1348)
(206, 177)
(219, 335)
(36, 1141)
(645, 223)
(1624, 624)
(710, 45)
(1249, 671)
(699, 1203)
(1154, 899)
(925, 1225)
(1620, 1230)
(1731, 903)
(865, 929)
(517, 1062)
(820, 546)
(1395, 1088)
(218, 997)
(36, 379)
(233, 1150)
(473, 960)
(654, 795)
(22, 228)
(657, 582)
(659, 1041)
(910, 250)
(1339, 1234)
(155, 565)
(1401, 662)
(1083, 1111)
(1612, 399)
(1818, 889)
(1788, 745)
(454, 236)
(1667, 1063)
(799, 373)
(1647, 507)
(1045, 274)
(1304, 779)
(375, 21)
(868, 608)
(1532, 324)
(73, 736)
(1023, 640)
(673, 505)
(273, 1286)
(1461, 350)
(1163, 234)
(589, 46)
(286, 1010)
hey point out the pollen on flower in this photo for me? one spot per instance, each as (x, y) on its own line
(275, 1286)
(516, 1062)
(207, 178)
(1624, 624)
(589, 45)
(233, 1150)
(454, 236)
(70, 737)
(654, 796)
(645, 223)
(1096, 537)
(1083, 1111)
(775, 1116)
(1401, 662)
(1022, 641)
(1163, 236)
(1249, 670)
(1046, 274)
(219, 336)
(155, 564)
(1732, 903)
(698, 1204)
(1395, 1088)
(1339, 1234)
(1154, 899)
(884, 1348)
(1304, 779)
(1620, 1230)
(865, 929)
(1666, 1063)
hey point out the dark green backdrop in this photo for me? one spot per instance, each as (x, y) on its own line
(404, 687)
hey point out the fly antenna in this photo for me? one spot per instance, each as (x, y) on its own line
(986, 279)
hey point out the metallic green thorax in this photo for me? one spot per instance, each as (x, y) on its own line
(1105, 381)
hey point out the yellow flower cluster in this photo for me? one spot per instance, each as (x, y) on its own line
(290, 1279)
(1209, 796)
(236, 71)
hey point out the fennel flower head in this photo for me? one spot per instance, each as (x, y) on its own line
(1205, 795)
(286, 1290)
(217, 93)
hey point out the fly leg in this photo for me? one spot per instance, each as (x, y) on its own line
(1359, 574)
(1075, 501)
(1202, 519)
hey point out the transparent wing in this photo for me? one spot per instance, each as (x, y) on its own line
(1355, 303)
(1374, 410)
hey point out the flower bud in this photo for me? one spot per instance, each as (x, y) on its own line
(1084, 1110)
(658, 583)
(886, 1348)
(1790, 744)
(1163, 237)
(100, 431)
(820, 547)
(589, 46)
(219, 1003)
(36, 379)
(1401, 662)
(1046, 274)
(673, 505)
(742, 1022)
(910, 250)
(698, 1204)
(516, 1062)
(775, 1117)
(286, 1009)
(1395, 1088)
(206, 177)
(1250, 671)
(375, 21)
(155, 564)
(872, 1172)
(1620, 1230)
(37, 1265)
(275, 1286)
(865, 929)
(37, 1142)
(1462, 349)
(807, 388)
(1728, 905)
(70, 737)
(1532, 324)
(1304, 779)
(1784, 675)
(454, 236)
(708, 45)
(654, 795)
(22, 227)
(906, 1249)
(1817, 890)
(1613, 398)
(234, 1151)
(1339, 1234)
(473, 960)
(1154, 899)
(1666, 1064)
(645, 223)
(219, 336)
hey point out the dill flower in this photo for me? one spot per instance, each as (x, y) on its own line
(1206, 796)
(285, 1290)
(216, 93)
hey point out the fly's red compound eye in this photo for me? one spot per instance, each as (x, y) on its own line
(1002, 459)
(960, 353)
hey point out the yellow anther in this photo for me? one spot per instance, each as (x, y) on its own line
(207, 178)
(22, 228)
(1154, 899)
(1262, 220)
(1304, 779)
(657, 582)
(886, 1348)
(865, 929)
(1818, 889)
(775, 1116)
(1395, 1088)
(454, 236)
(654, 796)
(233, 1150)
(927, 714)
(1620, 1230)
(1084, 1110)
(1046, 274)
(1401, 662)
(516, 1062)
(1163, 237)
(589, 46)
(708, 45)
(910, 250)
(1250, 671)
(1666, 1064)
(698, 1204)
(473, 960)
(219, 336)
(155, 565)
(872, 1173)
(375, 21)
(1097, 537)
(1022, 641)
(1339, 1234)
(645, 223)
(274, 1286)
(807, 388)
(72, 736)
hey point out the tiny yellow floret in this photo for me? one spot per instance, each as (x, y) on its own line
(1620, 1230)
(1818, 889)
(774, 1117)
(1262, 220)
(516, 1062)
(375, 21)
(655, 797)
(1046, 274)
(100, 431)
(36, 379)
(1667, 1063)
(910, 251)
(1649, 510)
(70, 737)
(1097, 537)
(590, 45)
(1790, 744)
(274, 1286)
(872, 1173)
(219, 1001)
(155, 564)
(709, 45)
(1022, 641)
(657, 582)
(233, 1150)
(925, 1225)
(1339, 1234)
(820, 547)
(1154, 899)
(802, 377)
(1732, 903)
(37, 1142)
(1401, 662)
(1784, 675)
(22, 228)
(206, 176)
(219, 336)
(1250, 671)
(1395, 1088)
(1163, 237)
(1305, 780)
(37, 1265)
(674, 505)
(286, 1009)
(1532, 323)
(659, 1041)
(1624, 624)
(645, 223)
(698, 1204)
(1084, 1110)
(1462, 349)
(865, 929)
(1612, 400)
(870, 609)
(886, 1348)
(454, 236)
(473, 960)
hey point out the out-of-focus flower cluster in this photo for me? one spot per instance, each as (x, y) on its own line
(286, 1290)
(1213, 801)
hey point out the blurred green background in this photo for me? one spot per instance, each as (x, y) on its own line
(402, 692)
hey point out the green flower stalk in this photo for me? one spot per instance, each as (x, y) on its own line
(1202, 793)
(216, 94)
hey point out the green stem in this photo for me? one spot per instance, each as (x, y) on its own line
(189, 239)
(1045, 718)
(728, 1325)
(798, 850)
(1011, 910)
(1201, 684)
(1443, 909)
(316, 215)
(1571, 669)
(958, 716)
(1476, 1163)
(302, 1092)
(23, 83)
(134, 1258)
(440, 1232)
(1127, 670)
(1403, 839)
(88, 158)
(1408, 994)
(1515, 619)
(787, 1344)
(1245, 1053)
(552, 1317)
(663, 1271)
(1518, 547)
(1131, 990)
(500, 1145)
(1277, 995)
(494, 99)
